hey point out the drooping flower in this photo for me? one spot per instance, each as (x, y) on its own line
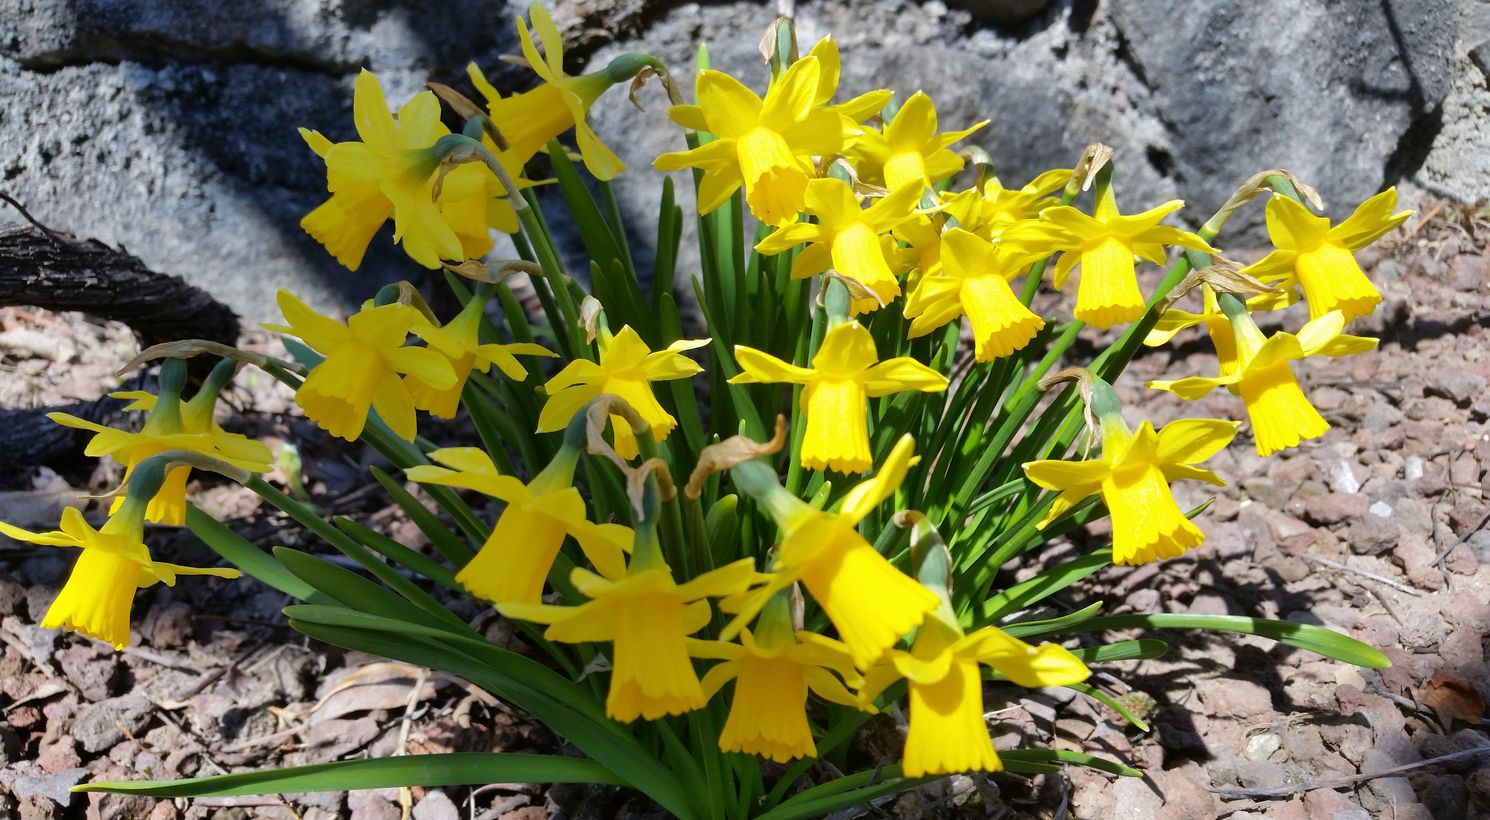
(627, 367)
(1174, 320)
(1321, 259)
(392, 172)
(459, 341)
(773, 669)
(1104, 244)
(765, 145)
(1133, 476)
(529, 120)
(1281, 415)
(845, 237)
(845, 373)
(364, 360)
(172, 424)
(974, 282)
(909, 151)
(647, 616)
(870, 602)
(948, 732)
(98, 594)
(514, 563)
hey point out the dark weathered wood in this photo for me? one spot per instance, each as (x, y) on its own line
(42, 268)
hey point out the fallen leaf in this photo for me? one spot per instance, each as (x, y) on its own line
(1452, 697)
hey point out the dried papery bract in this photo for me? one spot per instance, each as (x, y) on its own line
(733, 451)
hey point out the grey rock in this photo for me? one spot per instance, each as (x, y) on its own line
(436, 805)
(33, 782)
(97, 727)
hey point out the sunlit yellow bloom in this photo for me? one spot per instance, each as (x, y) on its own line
(392, 173)
(1133, 477)
(1104, 244)
(514, 563)
(1174, 320)
(459, 341)
(844, 374)
(854, 111)
(974, 282)
(773, 674)
(765, 145)
(98, 594)
(909, 151)
(528, 121)
(627, 368)
(845, 237)
(948, 733)
(171, 425)
(1281, 415)
(990, 211)
(648, 618)
(364, 360)
(870, 602)
(1321, 259)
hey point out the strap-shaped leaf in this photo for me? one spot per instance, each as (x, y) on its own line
(1326, 642)
(245, 556)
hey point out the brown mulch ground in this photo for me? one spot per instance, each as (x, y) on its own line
(1378, 530)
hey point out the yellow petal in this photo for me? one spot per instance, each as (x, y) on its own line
(1291, 226)
(729, 107)
(1189, 441)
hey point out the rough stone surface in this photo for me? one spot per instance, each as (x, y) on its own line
(170, 127)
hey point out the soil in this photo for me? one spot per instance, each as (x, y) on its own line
(1378, 529)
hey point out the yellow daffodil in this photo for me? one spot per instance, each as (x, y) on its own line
(1104, 244)
(765, 145)
(1281, 415)
(988, 212)
(392, 172)
(1321, 259)
(974, 282)
(844, 374)
(648, 617)
(1133, 476)
(773, 669)
(852, 112)
(459, 341)
(1174, 320)
(870, 602)
(98, 594)
(364, 360)
(845, 237)
(627, 367)
(528, 121)
(922, 255)
(514, 563)
(948, 732)
(172, 425)
(909, 151)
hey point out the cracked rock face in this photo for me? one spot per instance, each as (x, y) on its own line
(169, 126)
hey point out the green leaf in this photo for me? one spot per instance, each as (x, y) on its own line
(1024, 629)
(398, 553)
(1064, 756)
(245, 556)
(1139, 650)
(1028, 593)
(842, 792)
(448, 543)
(361, 594)
(1111, 702)
(454, 769)
(1317, 639)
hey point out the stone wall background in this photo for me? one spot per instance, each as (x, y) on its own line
(169, 127)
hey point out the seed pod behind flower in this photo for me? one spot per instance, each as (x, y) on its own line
(1133, 474)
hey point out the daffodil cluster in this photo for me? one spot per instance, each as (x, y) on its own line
(688, 588)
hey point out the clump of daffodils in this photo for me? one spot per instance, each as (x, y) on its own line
(702, 589)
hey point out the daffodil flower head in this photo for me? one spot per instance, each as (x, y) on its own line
(989, 211)
(909, 151)
(514, 563)
(171, 425)
(1320, 259)
(774, 668)
(974, 282)
(765, 145)
(870, 602)
(459, 341)
(947, 731)
(99, 593)
(845, 373)
(392, 172)
(528, 121)
(627, 368)
(1280, 413)
(1105, 244)
(1217, 326)
(1133, 476)
(845, 237)
(365, 366)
